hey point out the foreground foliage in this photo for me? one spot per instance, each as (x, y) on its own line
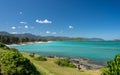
(64, 62)
(113, 67)
(13, 63)
(2, 46)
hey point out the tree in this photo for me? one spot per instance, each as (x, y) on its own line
(113, 67)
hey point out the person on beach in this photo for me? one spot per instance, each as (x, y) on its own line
(79, 67)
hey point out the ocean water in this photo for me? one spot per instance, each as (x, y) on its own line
(95, 51)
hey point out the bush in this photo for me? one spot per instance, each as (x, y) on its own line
(13, 63)
(40, 58)
(64, 62)
(2, 46)
(113, 67)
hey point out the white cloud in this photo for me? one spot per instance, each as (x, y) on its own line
(48, 32)
(20, 13)
(26, 26)
(13, 27)
(71, 27)
(23, 22)
(13, 32)
(43, 21)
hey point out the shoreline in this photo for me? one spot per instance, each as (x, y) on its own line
(26, 43)
(85, 63)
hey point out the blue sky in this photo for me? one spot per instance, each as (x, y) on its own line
(73, 18)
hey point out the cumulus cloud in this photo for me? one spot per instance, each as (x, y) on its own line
(43, 21)
(48, 32)
(23, 22)
(13, 27)
(71, 27)
(26, 26)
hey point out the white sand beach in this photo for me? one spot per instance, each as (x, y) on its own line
(40, 42)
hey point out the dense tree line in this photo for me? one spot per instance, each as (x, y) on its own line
(11, 39)
(16, 40)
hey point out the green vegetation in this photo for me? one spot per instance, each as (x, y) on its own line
(6, 39)
(40, 58)
(2, 46)
(13, 63)
(113, 67)
(64, 62)
(14, 49)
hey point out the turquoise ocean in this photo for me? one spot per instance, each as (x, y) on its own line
(95, 51)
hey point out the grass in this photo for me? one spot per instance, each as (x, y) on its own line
(50, 68)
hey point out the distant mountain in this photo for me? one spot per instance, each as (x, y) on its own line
(96, 39)
(29, 35)
(4, 33)
(117, 40)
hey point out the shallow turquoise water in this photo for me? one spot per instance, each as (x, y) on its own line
(96, 51)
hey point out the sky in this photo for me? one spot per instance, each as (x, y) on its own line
(72, 18)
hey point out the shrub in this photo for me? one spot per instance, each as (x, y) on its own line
(40, 58)
(64, 62)
(2, 46)
(13, 63)
(113, 67)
